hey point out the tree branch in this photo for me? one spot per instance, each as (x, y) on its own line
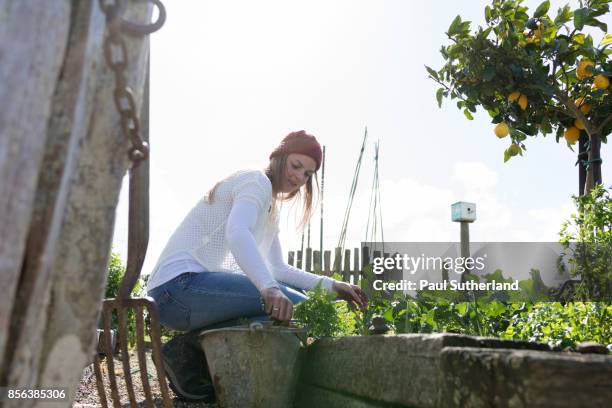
(603, 124)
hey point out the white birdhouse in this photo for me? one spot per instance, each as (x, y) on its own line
(463, 212)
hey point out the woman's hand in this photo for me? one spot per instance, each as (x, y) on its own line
(351, 293)
(277, 305)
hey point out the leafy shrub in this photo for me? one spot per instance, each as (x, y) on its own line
(587, 238)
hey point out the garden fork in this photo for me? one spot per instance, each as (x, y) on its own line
(138, 229)
(138, 236)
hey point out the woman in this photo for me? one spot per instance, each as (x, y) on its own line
(225, 261)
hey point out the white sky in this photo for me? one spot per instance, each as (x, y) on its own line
(231, 78)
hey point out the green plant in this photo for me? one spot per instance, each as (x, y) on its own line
(473, 318)
(587, 240)
(562, 325)
(323, 315)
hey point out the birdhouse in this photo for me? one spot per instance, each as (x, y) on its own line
(463, 212)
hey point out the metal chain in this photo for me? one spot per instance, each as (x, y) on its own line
(115, 53)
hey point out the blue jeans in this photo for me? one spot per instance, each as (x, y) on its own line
(196, 300)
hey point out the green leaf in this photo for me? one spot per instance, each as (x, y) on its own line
(579, 38)
(507, 155)
(546, 88)
(516, 135)
(454, 27)
(596, 23)
(439, 95)
(563, 15)
(606, 40)
(488, 73)
(542, 9)
(580, 16)
(468, 114)
(520, 17)
(550, 34)
(493, 112)
(465, 28)
(488, 16)
(432, 72)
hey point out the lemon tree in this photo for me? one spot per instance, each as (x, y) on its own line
(535, 74)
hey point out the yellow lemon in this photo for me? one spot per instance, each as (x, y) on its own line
(522, 101)
(584, 107)
(601, 82)
(514, 149)
(514, 96)
(582, 71)
(501, 130)
(572, 134)
(578, 123)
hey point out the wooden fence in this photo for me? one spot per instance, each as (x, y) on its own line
(348, 263)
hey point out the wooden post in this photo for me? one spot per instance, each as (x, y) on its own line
(465, 239)
(346, 270)
(308, 259)
(316, 260)
(299, 259)
(465, 244)
(356, 265)
(31, 63)
(291, 258)
(365, 257)
(396, 273)
(337, 260)
(67, 159)
(327, 262)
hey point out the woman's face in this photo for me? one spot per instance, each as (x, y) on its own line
(299, 167)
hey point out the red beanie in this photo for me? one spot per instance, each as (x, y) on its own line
(300, 142)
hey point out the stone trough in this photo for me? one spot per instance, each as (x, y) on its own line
(448, 370)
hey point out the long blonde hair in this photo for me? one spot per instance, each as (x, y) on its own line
(275, 172)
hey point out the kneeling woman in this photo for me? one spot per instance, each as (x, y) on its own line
(225, 262)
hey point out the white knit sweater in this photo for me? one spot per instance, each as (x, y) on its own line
(236, 233)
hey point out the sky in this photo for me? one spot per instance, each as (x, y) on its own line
(229, 79)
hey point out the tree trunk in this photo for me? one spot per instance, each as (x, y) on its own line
(65, 231)
(582, 155)
(593, 174)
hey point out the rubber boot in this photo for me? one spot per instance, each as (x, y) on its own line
(186, 368)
